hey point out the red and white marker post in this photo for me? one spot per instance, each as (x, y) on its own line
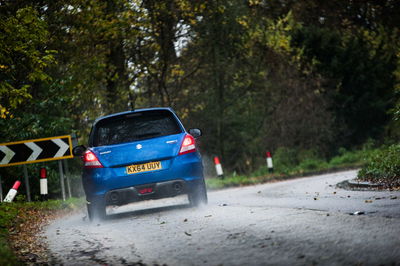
(270, 165)
(13, 192)
(218, 167)
(43, 184)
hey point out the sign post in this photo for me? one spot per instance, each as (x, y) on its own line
(26, 179)
(1, 191)
(67, 177)
(61, 180)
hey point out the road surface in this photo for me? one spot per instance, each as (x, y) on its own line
(304, 221)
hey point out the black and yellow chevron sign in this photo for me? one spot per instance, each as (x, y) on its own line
(35, 150)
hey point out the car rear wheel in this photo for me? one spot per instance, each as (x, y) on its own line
(198, 196)
(96, 210)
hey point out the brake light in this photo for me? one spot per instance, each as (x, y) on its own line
(188, 145)
(145, 190)
(90, 160)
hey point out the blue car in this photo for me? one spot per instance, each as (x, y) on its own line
(140, 155)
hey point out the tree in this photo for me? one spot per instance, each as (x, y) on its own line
(23, 56)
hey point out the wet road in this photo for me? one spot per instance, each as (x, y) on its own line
(298, 222)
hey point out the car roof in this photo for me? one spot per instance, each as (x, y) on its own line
(134, 111)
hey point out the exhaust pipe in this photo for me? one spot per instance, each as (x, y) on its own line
(114, 198)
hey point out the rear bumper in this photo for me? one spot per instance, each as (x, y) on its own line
(158, 190)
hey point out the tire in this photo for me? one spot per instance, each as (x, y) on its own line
(198, 196)
(96, 210)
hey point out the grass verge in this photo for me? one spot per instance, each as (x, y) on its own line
(286, 167)
(21, 221)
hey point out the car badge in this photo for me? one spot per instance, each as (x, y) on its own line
(139, 146)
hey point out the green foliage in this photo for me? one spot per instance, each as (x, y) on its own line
(23, 57)
(383, 166)
(7, 257)
(358, 157)
(290, 161)
(231, 181)
(311, 165)
(346, 158)
(43, 116)
(285, 159)
(358, 66)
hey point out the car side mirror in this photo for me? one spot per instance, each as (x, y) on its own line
(78, 150)
(195, 132)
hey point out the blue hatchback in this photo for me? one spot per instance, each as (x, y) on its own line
(139, 155)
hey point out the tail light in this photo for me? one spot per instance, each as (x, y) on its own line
(90, 160)
(188, 145)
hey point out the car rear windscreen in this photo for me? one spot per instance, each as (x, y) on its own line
(134, 127)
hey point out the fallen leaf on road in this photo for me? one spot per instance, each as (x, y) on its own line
(208, 216)
(334, 192)
(315, 198)
(357, 213)
(162, 222)
(368, 201)
(186, 233)
(185, 220)
(393, 197)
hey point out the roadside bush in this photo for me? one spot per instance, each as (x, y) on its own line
(311, 164)
(285, 159)
(383, 166)
(346, 157)
(292, 161)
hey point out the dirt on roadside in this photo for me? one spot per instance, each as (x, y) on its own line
(25, 240)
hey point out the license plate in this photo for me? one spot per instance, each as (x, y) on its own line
(141, 168)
